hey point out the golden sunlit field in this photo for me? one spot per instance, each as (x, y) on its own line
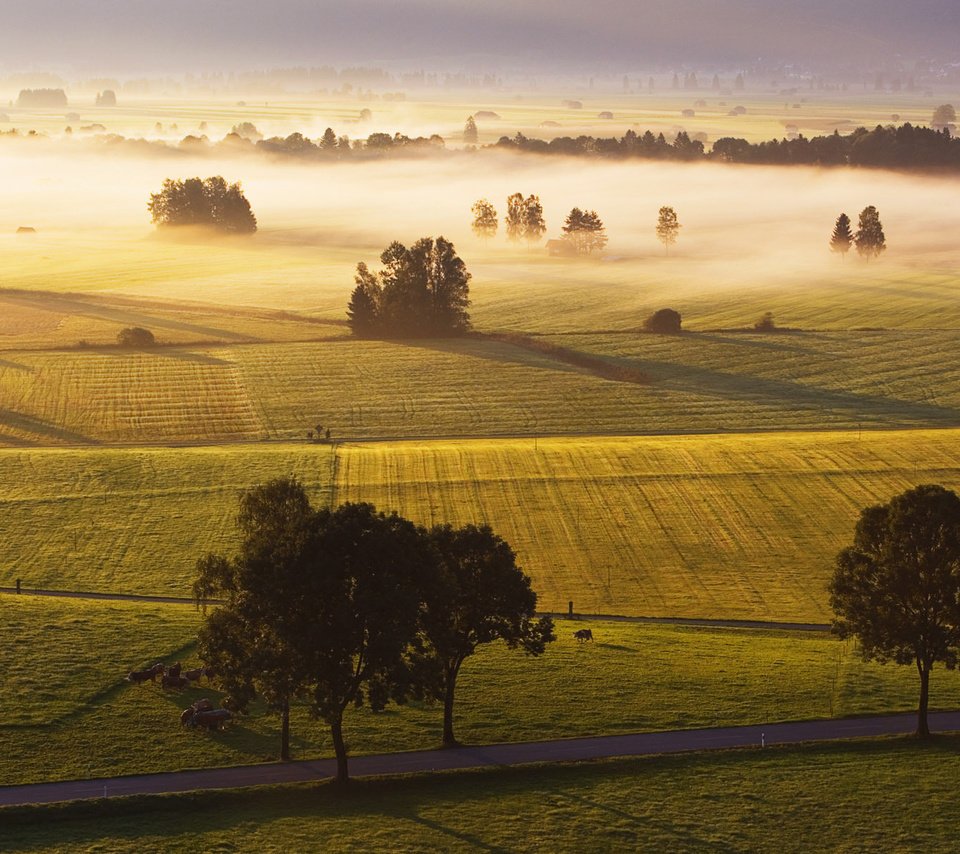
(711, 475)
(742, 526)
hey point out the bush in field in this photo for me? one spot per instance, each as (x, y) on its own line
(203, 202)
(421, 292)
(136, 337)
(666, 321)
(765, 323)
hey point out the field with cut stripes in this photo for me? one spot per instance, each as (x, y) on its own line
(693, 383)
(698, 526)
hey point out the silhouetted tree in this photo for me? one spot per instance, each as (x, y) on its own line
(470, 135)
(328, 142)
(208, 202)
(363, 310)
(665, 321)
(897, 588)
(485, 220)
(842, 238)
(584, 231)
(106, 98)
(243, 638)
(668, 227)
(869, 238)
(479, 596)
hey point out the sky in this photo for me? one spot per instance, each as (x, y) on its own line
(120, 36)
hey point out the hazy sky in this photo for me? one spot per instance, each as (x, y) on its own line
(142, 35)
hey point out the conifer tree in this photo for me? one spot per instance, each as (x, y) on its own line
(470, 135)
(584, 231)
(842, 238)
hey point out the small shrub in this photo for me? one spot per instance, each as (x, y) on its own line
(666, 321)
(765, 323)
(136, 336)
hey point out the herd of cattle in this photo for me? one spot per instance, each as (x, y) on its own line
(201, 713)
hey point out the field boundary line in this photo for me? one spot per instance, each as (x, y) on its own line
(108, 597)
(757, 736)
(705, 622)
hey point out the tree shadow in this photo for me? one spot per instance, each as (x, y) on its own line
(28, 424)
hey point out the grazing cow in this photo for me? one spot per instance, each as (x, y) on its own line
(174, 669)
(213, 719)
(138, 677)
(193, 675)
(583, 635)
(176, 682)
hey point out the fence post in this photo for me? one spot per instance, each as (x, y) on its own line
(18, 586)
(570, 609)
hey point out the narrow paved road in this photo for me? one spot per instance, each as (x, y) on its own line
(560, 615)
(561, 750)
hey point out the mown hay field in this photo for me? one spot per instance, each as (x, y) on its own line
(739, 526)
(841, 797)
(70, 714)
(695, 383)
(133, 521)
(743, 526)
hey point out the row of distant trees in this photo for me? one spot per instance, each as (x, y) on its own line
(583, 231)
(352, 607)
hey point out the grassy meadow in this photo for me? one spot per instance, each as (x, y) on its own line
(740, 526)
(841, 797)
(69, 714)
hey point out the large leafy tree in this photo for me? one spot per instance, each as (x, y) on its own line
(479, 595)
(897, 588)
(668, 227)
(240, 639)
(584, 231)
(322, 605)
(355, 615)
(842, 238)
(870, 239)
(421, 291)
(514, 219)
(208, 202)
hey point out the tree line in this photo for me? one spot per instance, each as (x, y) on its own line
(905, 146)
(355, 607)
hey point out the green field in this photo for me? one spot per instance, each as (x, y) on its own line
(697, 383)
(70, 714)
(697, 526)
(845, 797)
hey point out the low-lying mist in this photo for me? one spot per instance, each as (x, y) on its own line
(742, 226)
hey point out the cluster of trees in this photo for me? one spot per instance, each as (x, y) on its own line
(583, 231)
(423, 291)
(353, 607)
(869, 238)
(54, 98)
(897, 587)
(210, 202)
